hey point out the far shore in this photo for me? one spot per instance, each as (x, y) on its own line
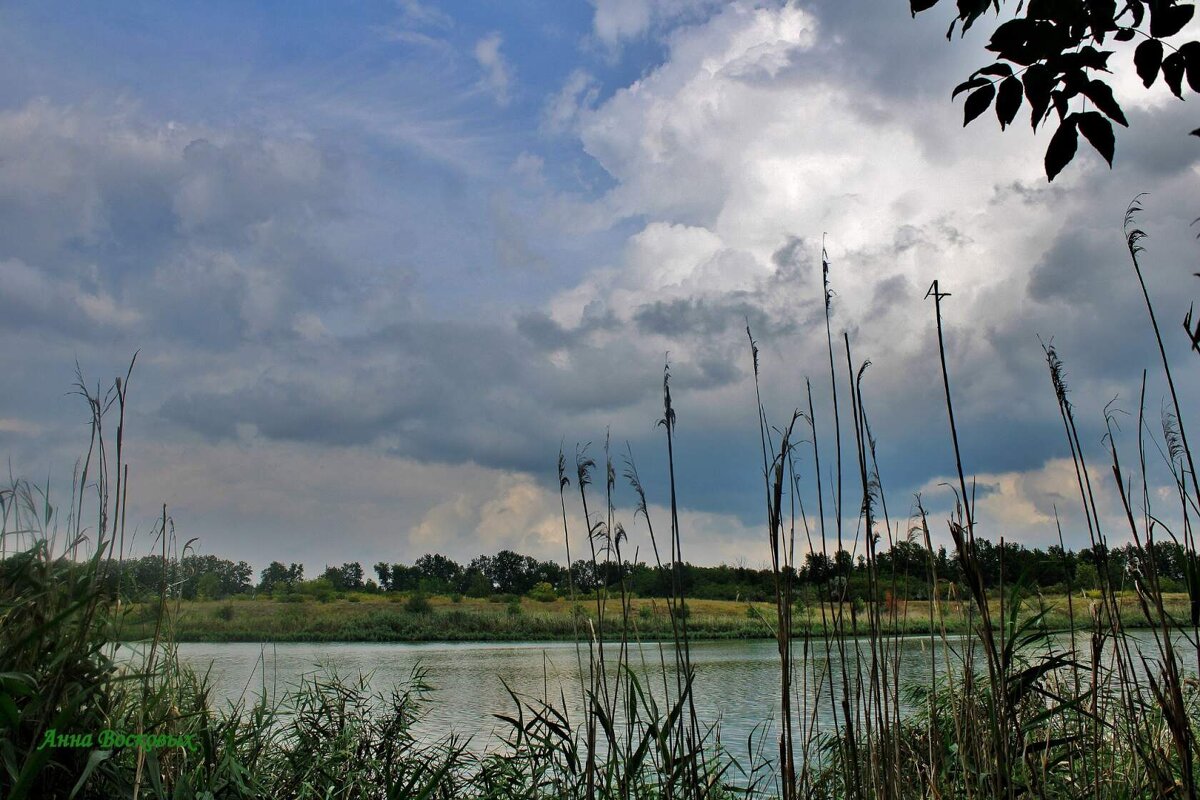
(394, 618)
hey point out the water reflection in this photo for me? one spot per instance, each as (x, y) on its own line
(737, 682)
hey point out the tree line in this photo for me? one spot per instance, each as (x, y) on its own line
(904, 570)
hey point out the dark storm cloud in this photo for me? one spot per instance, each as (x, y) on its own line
(711, 373)
(795, 257)
(690, 317)
(436, 391)
(210, 252)
(726, 316)
(547, 334)
(777, 309)
(892, 55)
(1162, 146)
(225, 255)
(160, 230)
(1076, 265)
(301, 408)
(541, 330)
(1030, 194)
(1084, 292)
(889, 293)
(225, 192)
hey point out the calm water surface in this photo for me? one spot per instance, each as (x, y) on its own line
(737, 682)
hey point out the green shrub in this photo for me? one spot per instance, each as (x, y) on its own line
(514, 607)
(460, 619)
(321, 589)
(417, 603)
(225, 612)
(543, 592)
(146, 611)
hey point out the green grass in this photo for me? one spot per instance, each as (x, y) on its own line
(384, 618)
(381, 619)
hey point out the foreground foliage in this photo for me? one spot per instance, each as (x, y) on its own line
(1055, 55)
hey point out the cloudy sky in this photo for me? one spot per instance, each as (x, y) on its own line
(380, 259)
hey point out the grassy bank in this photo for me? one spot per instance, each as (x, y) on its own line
(384, 618)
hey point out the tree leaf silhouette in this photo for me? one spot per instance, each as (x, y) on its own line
(1038, 82)
(1100, 93)
(1098, 131)
(1148, 59)
(1008, 101)
(1168, 20)
(1172, 69)
(1190, 52)
(978, 102)
(970, 83)
(1062, 147)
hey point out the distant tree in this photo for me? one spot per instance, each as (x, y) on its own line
(228, 577)
(843, 563)
(348, 576)
(148, 575)
(1050, 57)
(585, 578)
(437, 572)
(352, 575)
(904, 558)
(947, 569)
(275, 573)
(333, 575)
(384, 571)
(508, 572)
(208, 587)
(404, 577)
(902, 569)
(241, 575)
(987, 556)
(1058, 567)
(548, 572)
(476, 584)
(1086, 576)
(818, 567)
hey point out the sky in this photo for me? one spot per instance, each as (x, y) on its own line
(381, 260)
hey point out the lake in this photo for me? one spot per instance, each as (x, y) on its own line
(737, 682)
